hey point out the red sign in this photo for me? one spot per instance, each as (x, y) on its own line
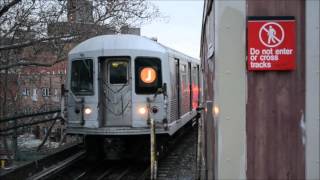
(271, 44)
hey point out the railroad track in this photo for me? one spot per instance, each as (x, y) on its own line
(55, 169)
(174, 158)
(179, 163)
(107, 169)
(29, 169)
(126, 169)
(77, 166)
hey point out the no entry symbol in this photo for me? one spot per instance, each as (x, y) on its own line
(271, 43)
(271, 34)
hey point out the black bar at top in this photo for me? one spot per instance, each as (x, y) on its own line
(271, 18)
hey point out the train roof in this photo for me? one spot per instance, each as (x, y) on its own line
(124, 42)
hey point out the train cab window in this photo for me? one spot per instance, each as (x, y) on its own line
(147, 75)
(118, 72)
(82, 77)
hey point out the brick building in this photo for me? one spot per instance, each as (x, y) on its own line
(32, 89)
(37, 88)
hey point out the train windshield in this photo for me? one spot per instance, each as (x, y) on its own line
(118, 72)
(148, 75)
(82, 77)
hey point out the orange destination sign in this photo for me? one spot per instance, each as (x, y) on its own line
(148, 75)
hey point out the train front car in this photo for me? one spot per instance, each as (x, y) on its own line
(117, 83)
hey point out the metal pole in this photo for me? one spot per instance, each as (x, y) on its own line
(15, 141)
(154, 162)
(153, 144)
(199, 144)
(62, 99)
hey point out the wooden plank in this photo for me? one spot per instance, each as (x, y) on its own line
(207, 66)
(276, 106)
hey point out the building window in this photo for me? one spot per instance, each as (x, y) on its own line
(55, 92)
(25, 92)
(34, 96)
(45, 92)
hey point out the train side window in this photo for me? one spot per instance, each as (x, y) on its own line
(195, 76)
(147, 75)
(118, 72)
(82, 77)
(183, 68)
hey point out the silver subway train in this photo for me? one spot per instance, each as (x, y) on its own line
(116, 83)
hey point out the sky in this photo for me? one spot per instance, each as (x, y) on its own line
(180, 29)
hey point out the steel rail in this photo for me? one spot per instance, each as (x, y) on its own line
(30, 168)
(54, 170)
(80, 175)
(145, 174)
(106, 173)
(124, 172)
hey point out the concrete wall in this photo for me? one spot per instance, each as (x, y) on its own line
(312, 89)
(230, 88)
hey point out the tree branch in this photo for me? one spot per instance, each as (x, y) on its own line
(30, 64)
(30, 43)
(6, 8)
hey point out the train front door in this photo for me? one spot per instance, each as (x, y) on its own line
(116, 91)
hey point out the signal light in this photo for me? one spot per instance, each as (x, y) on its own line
(148, 75)
(216, 110)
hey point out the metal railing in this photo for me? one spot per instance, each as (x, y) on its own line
(15, 122)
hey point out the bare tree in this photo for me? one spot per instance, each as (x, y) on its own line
(31, 28)
(32, 23)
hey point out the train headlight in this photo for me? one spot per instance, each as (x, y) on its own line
(142, 110)
(87, 111)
